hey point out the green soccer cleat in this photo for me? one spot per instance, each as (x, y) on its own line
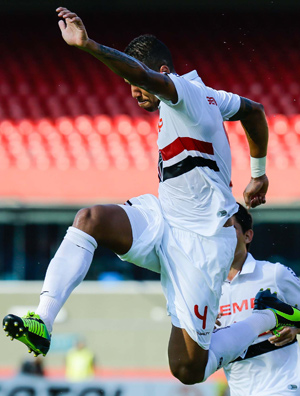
(31, 330)
(285, 314)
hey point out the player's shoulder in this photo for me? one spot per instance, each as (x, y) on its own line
(285, 271)
(188, 86)
(267, 266)
(276, 267)
(191, 79)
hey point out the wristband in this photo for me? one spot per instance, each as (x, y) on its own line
(258, 166)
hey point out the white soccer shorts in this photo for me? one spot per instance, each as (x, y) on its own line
(192, 267)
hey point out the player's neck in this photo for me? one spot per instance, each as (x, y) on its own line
(237, 265)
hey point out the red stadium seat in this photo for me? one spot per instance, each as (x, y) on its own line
(45, 126)
(295, 123)
(279, 124)
(84, 124)
(142, 126)
(65, 125)
(25, 127)
(123, 124)
(103, 124)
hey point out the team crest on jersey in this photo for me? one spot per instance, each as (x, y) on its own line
(211, 100)
(160, 124)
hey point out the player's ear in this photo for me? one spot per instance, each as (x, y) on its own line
(249, 236)
(164, 69)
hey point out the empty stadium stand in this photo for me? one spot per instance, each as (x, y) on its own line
(43, 77)
(62, 111)
(122, 141)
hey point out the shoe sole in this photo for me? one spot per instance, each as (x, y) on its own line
(15, 329)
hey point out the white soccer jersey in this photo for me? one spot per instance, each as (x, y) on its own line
(275, 373)
(195, 158)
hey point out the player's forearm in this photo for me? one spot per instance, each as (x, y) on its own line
(125, 66)
(256, 128)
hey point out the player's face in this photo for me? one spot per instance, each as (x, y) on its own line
(242, 239)
(145, 100)
(241, 246)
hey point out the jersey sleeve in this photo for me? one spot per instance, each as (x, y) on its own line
(288, 285)
(179, 83)
(190, 99)
(228, 103)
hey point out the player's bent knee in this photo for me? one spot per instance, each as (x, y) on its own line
(82, 218)
(108, 224)
(89, 219)
(188, 373)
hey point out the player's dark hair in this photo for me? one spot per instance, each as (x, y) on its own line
(244, 218)
(151, 51)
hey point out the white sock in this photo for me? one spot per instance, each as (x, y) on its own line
(230, 342)
(66, 270)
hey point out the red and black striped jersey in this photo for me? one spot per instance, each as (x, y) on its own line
(194, 156)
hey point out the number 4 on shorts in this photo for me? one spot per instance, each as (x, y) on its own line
(199, 316)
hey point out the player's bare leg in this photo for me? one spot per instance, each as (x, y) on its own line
(187, 359)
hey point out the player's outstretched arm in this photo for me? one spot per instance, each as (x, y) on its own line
(133, 71)
(253, 120)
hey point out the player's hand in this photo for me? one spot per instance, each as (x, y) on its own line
(286, 335)
(218, 323)
(72, 28)
(255, 192)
